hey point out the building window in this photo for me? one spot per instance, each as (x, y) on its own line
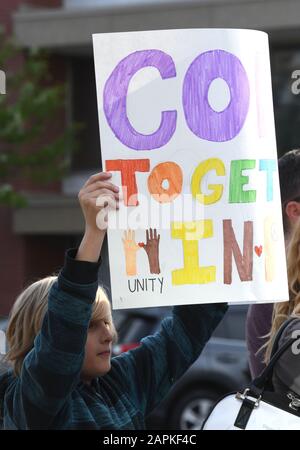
(84, 111)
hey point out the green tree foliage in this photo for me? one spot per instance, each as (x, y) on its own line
(31, 103)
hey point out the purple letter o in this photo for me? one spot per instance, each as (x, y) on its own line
(202, 120)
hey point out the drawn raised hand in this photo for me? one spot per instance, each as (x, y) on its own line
(130, 249)
(152, 249)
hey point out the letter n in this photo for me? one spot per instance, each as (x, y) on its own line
(244, 262)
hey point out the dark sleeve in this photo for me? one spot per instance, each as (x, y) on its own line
(258, 324)
(153, 367)
(51, 370)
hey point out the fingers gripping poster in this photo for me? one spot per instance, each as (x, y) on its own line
(187, 131)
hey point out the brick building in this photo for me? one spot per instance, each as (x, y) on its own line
(33, 240)
(28, 253)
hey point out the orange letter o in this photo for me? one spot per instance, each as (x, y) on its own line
(171, 172)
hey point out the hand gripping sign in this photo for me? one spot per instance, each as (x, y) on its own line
(187, 130)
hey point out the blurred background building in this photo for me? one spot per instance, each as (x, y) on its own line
(33, 239)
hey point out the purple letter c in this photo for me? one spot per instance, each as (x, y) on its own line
(114, 100)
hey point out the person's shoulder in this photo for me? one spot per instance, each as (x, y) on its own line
(260, 310)
(291, 328)
(259, 318)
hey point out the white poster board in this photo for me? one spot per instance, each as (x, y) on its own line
(187, 128)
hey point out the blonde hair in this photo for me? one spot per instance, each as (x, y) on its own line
(102, 311)
(282, 311)
(28, 312)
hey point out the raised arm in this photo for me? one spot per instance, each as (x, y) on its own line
(51, 370)
(161, 359)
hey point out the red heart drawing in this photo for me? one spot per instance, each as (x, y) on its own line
(258, 250)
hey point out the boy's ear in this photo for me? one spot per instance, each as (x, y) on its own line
(292, 211)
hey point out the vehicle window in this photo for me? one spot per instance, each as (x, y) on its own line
(118, 318)
(132, 325)
(233, 324)
(134, 329)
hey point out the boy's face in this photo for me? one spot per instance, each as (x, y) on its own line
(97, 351)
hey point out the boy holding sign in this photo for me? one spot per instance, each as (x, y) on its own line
(60, 336)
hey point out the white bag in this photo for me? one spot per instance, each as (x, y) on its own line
(263, 417)
(258, 407)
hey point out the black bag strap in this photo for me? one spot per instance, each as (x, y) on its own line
(258, 384)
(252, 395)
